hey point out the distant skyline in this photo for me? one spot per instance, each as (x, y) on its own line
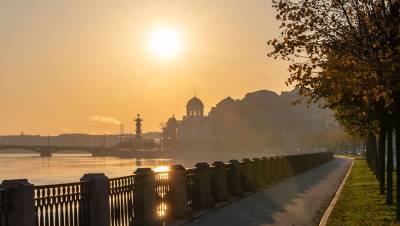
(85, 66)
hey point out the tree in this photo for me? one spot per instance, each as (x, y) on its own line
(347, 53)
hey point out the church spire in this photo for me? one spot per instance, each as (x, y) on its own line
(138, 137)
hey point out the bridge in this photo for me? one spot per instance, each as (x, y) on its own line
(48, 150)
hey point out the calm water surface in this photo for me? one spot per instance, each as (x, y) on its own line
(69, 167)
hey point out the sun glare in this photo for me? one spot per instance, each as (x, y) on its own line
(165, 42)
(161, 169)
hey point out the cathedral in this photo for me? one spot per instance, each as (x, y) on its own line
(191, 131)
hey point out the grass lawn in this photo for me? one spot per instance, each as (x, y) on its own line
(360, 203)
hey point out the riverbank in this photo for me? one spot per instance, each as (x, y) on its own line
(360, 202)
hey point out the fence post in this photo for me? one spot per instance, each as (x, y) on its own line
(291, 165)
(144, 205)
(246, 172)
(219, 182)
(267, 171)
(263, 167)
(258, 172)
(273, 169)
(280, 167)
(178, 193)
(21, 210)
(98, 193)
(234, 185)
(298, 163)
(285, 166)
(201, 196)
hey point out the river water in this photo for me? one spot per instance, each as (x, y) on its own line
(68, 168)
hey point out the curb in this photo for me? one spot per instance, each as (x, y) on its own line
(328, 211)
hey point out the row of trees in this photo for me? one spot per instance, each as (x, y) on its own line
(346, 52)
(334, 139)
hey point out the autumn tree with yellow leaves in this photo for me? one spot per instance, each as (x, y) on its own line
(347, 52)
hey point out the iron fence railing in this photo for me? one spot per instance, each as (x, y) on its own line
(4, 207)
(162, 187)
(148, 196)
(121, 201)
(61, 205)
(190, 183)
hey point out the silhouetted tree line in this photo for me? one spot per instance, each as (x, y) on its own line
(347, 52)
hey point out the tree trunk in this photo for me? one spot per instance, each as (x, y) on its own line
(381, 162)
(368, 152)
(398, 170)
(389, 170)
(375, 156)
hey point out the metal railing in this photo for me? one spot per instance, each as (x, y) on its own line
(148, 197)
(4, 207)
(61, 205)
(190, 183)
(162, 188)
(121, 201)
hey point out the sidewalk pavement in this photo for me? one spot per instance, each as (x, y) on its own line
(297, 201)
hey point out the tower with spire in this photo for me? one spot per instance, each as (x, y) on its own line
(138, 136)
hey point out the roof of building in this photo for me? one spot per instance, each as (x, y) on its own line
(172, 121)
(194, 103)
(261, 95)
(226, 101)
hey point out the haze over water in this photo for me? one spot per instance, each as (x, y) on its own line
(66, 168)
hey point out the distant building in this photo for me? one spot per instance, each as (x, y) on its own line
(191, 131)
(262, 119)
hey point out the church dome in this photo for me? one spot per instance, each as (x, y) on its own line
(172, 121)
(194, 103)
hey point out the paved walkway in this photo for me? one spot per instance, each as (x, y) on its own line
(299, 200)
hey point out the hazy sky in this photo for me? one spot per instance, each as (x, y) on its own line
(66, 65)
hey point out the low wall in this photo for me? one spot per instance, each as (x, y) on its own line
(145, 198)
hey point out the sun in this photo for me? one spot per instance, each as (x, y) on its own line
(165, 42)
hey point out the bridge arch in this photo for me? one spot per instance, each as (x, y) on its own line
(20, 151)
(71, 151)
